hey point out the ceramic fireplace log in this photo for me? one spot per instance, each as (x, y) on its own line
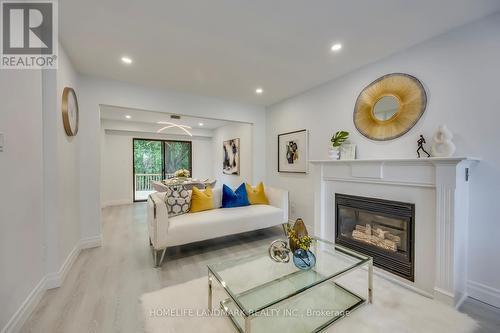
(374, 240)
(383, 234)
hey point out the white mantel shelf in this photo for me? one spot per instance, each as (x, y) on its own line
(452, 159)
(439, 188)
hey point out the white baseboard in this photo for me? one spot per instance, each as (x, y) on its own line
(461, 301)
(444, 296)
(24, 311)
(116, 203)
(56, 279)
(483, 293)
(49, 281)
(90, 242)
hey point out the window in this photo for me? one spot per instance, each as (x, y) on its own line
(155, 160)
(177, 156)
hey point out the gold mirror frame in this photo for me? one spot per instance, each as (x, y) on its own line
(412, 103)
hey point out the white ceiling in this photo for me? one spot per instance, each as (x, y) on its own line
(227, 48)
(109, 112)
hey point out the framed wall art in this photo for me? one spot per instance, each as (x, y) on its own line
(292, 152)
(231, 157)
(348, 151)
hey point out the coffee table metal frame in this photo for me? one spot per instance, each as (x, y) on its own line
(249, 315)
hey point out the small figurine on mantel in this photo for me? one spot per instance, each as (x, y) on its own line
(420, 144)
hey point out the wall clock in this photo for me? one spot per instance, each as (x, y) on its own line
(70, 111)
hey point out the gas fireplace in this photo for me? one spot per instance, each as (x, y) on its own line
(379, 228)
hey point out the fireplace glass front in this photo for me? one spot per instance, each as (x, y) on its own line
(380, 228)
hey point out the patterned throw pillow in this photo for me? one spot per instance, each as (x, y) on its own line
(177, 199)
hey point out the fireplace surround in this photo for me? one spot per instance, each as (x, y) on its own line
(382, 229)
(439, 189)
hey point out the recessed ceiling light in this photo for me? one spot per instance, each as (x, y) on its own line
(259, 91)
(200, 124)
(128, 116)
(336, 47)
(126, 60)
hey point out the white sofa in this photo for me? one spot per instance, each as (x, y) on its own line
(192, 227)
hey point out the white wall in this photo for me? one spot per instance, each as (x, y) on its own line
(61, 172)
(116, 157)
(68, 168)
(460, 72)
(95, 91)
(21, 234)
(40, 227)
(244, 133)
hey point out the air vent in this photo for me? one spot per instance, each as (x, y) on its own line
(174, 116)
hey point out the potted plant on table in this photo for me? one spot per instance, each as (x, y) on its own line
(337, 140)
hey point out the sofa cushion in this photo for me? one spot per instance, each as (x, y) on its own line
(177, 199)
(232, 199)
(201, 200)
(221, 222)
(257, 195)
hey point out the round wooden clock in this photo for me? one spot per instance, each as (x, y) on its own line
(70, 111)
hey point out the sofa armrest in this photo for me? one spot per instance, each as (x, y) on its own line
(278, 198)
(157, 221)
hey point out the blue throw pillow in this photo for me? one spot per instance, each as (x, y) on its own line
(231, 199)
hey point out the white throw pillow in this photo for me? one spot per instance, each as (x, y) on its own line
(177, 200)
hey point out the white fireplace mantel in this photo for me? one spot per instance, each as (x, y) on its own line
(439, 188)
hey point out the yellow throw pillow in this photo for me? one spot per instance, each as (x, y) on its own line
(256, 195)
(201, 200)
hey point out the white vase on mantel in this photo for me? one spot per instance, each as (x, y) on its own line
(442, 146)
(334, 153)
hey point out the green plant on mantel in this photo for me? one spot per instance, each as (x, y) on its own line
(339, 138)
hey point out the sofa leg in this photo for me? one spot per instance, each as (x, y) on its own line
(157, 262)
(155, 256)
(285, 229)
(162, 256)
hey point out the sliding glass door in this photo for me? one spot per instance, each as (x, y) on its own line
(155, 160)
(148, 166)
(177, 156)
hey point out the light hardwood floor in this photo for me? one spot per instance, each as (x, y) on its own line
(101, 292)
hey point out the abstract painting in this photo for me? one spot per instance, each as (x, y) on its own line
(292, 152)
(231, 158)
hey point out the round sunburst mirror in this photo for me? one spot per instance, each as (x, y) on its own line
(389, 106)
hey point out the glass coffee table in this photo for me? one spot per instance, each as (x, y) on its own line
(260, 295)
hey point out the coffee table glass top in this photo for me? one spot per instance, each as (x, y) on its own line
(257, 282)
